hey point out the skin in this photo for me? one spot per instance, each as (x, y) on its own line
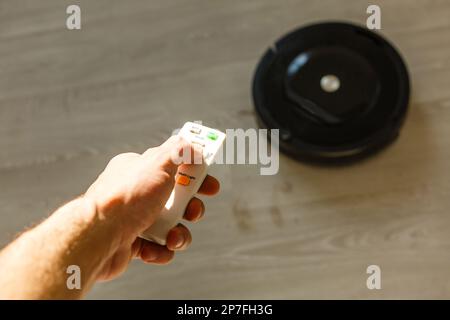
(99, 230)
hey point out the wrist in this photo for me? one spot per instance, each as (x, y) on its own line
(96, 219)
(85, 225)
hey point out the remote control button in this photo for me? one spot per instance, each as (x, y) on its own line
(212, 135)
(183, 180)
(196, 130)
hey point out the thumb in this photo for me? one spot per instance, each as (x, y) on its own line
(176, 151)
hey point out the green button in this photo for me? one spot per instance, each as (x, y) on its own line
(212, 135)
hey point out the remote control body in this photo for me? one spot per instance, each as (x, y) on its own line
(188, 180)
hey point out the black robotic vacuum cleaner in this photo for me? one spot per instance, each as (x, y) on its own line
(336, 91)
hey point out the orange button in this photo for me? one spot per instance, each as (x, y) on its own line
(183, 180)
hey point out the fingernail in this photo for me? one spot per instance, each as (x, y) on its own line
(151, 255)
(180, 241)
(201, 214)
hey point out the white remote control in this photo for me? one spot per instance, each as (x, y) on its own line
(187, 180)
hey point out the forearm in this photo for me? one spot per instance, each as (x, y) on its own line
(37, 261)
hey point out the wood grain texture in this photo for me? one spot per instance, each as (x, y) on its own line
(138, 68)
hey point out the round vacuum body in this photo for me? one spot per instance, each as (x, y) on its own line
(336, 92)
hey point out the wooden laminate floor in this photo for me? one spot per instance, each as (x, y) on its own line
(69, 100)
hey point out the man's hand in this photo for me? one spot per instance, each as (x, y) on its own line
(132, 191)
(98, 232)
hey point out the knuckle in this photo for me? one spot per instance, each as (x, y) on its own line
(166, 177)
(122, 157)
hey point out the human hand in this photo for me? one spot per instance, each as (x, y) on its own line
(130, 194)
